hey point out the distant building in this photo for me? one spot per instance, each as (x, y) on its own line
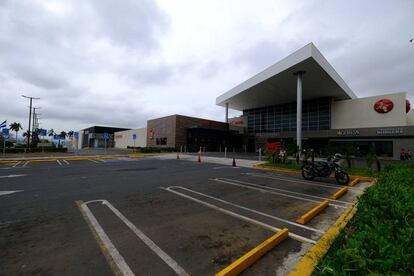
(125, 139)
(93, 137)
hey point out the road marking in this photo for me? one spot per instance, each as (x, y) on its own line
(9, 192)
(260, 188)
(25, 164)
(225, 167)
(233, 214)
(93, 160)
(60, 164)
(164, 256)
(67, 163)
(12, 175)
(108, 248)
(17, 164)
(252, 210)
(103, 161)
(286, 191)
(332, 186)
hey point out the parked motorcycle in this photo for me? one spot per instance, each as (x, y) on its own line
(310, 170)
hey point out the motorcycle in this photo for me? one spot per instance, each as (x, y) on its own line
(310, 170)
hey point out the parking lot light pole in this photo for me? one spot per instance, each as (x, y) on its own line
(299, 75)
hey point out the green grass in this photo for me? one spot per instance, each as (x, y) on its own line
(379, 239)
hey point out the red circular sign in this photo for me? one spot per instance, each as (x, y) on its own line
(407, 106)
(383, 106)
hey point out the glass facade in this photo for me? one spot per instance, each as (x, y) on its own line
(279, 118)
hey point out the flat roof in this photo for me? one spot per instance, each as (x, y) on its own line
(277, 84)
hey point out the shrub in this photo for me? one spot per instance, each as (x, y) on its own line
(379, 238)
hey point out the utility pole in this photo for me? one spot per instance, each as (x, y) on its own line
(30, 118)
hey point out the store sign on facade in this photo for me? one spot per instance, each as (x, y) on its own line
(347, 132)
(390, 131)
(383, 106)
(151, 134)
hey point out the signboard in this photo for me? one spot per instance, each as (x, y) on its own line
(151, 134)
(273, 146)
(106, 135)
(43, 132)
(383, 106)
(5, 131)
(134, 137)
(76, 134)
(56, 137)
(390, 131)
(347, 132)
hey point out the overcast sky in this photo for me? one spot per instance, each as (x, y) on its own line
(120, 63)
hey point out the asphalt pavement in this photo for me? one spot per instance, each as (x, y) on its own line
(159, 216)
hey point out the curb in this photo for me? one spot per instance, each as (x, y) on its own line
(307, 264)
(315, 211)
(266, 168)
(339, 193)
(253, 255)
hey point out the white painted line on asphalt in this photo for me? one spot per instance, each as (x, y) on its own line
(12, 175)
(233, 214)
(332, 186)
(25, 164)
(67, 163)
(286, 191)
(104, 239)
(157, 250)
(59, 162)
(103, 161)
(17, 164)
(93, 160)
(9, 192)
(260, 189)
(254, 211)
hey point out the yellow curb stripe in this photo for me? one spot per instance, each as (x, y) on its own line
(307, 264)
(354, 182)
(339, 193)
(253, 255)
(309, 215)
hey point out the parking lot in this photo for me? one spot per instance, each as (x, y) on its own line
(155, 216)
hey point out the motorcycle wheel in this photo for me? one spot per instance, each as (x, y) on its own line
(342, 178)
(307, 172)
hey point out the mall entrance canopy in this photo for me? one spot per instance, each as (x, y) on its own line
(303, 75)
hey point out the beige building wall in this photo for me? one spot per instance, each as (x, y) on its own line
(123, 139)
(360, 113)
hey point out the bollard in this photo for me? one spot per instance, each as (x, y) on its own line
(199, 158)
(234, 162)
(178, 156)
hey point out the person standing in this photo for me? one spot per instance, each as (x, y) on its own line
(402, 154)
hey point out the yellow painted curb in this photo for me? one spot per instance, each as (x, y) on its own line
(253, 255)
(307, 264)
(309, 215)
(354, 182)
(339, 193)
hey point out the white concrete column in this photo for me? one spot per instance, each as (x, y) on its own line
(227, 112)
(299, 75)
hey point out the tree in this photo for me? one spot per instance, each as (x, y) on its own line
(51, 132)
(26, 134)
(16, 127)
(70, 133)
(63, 135)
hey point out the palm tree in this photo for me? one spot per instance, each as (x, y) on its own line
(63, 135)
(16, 127)
(26, 134)
(70, 133)
(51, 132)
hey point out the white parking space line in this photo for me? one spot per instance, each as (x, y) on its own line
(252, 210)
(164, 256)
(9, 192)
(286, 191)
(12, 175)
(25, 164)
(66, 162)
(17, 164)
(261, 189)
(96, 228)
(59, 162)
(332, 186)
(233, 214)
(101, 160)
(93, 160)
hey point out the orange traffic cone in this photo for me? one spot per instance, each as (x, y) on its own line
(178, 156)
(199, 158)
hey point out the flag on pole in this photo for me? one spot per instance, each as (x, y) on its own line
(4, 124)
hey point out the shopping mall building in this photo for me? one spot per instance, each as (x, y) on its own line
(303, 100)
